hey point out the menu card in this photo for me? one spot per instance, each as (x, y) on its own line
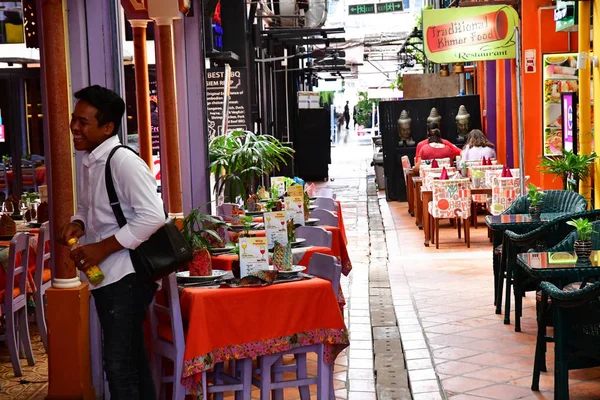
(295, 207)
(253, 255)
(279, 183)
(275, 228)
(295, 191)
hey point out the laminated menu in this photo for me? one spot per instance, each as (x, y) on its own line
(279, 183)
(253, 255)
(295, 191)
(295, 207)
(275, 228)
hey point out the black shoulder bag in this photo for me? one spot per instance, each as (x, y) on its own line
(164, 252)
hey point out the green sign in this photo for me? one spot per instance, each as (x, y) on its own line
(470, 34)
(565, 16)
(360, 9)
(390, 7)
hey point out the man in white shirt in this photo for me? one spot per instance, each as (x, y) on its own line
(123, 297)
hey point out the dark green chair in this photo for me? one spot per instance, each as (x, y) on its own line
(576, 334)
(544, 238)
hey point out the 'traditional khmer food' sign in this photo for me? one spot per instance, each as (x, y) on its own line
(470, 34)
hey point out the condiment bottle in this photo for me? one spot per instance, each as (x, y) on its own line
(94, 273)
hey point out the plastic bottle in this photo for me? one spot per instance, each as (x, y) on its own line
(94, 273)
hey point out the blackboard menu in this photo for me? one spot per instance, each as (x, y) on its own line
(239, 107)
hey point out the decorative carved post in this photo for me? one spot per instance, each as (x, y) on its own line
(141, 90)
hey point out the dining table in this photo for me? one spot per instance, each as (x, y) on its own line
(40, 176)
(259, 321)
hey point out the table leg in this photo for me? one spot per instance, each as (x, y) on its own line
(409, 194)
(426, 225)
(418, 205)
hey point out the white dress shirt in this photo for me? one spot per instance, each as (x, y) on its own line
(142, 206)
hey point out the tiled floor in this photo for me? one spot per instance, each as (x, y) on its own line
(446, 296)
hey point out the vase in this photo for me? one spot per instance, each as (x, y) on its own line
(464, 172)
(535, 212)
(201, 264)
(583, 249)
(476, 183)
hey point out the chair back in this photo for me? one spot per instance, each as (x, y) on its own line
(226, 210)
(442, 162)
(451, 198)
(326, 203)
(504, 193)
(164, 347)
(4, 179)
(405, 166)
(325, 217)
(315, 236)
(37, 159)
(28, 175)
(423, 171)
(42, 255)
(484, 168)
(17, 272)
(326, 267)
(472, 163)
(562, 201)
(325, 192)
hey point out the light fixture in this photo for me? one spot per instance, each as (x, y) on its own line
(459, 68)
(581, 64)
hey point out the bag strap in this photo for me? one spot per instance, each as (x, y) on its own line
(110, 188)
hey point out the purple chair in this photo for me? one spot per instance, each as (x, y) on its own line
(324, 192)
(225, 210)
(326, 203)
(325, 217)
(42, 278)
(174, 350)
(326, 267)
(315, 236)
(14, 306)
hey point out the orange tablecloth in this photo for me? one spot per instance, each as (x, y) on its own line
(259, 321)
(341, 222)
(40, 176)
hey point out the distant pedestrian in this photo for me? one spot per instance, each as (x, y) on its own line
(354, 114)
(347, 114)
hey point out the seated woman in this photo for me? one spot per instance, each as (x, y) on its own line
(477, 147)
(434, 148)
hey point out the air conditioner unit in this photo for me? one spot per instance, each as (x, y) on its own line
(314, 17)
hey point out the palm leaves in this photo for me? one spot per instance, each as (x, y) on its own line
(239, 156)
(197, 227)
(571, 167)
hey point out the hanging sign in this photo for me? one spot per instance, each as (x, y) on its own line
(565, 16)
(360, 9)
(569, 122)
(470, 34)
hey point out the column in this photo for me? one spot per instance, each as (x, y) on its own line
(585, 108)
(142, 83)
(169, 129)
(68, 300)
(501, 111)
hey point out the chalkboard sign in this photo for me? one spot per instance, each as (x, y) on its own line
(239, 107)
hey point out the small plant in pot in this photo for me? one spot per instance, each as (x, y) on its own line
(535, 197)
(583, 244)
(200, 231)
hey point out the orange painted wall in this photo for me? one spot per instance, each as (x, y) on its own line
(539, 33)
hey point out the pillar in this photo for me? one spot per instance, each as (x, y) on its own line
(501, 111)
(585, 108)
(169, 129)
(142, 83)
(514, 148)
(490, 100)
(508, 115)
(68, 300)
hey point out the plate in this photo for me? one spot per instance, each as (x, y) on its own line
(312, 221)
(34, 225)
(298, 242)
(216, 274)
(223, 250)
(294, 271)
(556, 59)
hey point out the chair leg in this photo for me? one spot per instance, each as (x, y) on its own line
(278, 377)
(540, 344)
(244, 368)
(468, 232)
(431, 229)
(437, 233)
(458, 226)
(157, 374)
(265, 377)
(507, 295)
(40, 317)
(13, 343)
(302, 373)
(324, 372)
(25, 337)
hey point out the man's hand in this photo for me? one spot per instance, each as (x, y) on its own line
(70, 230)
(93, 254)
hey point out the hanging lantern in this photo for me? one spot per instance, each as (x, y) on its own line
(444, 70)
(459, 68)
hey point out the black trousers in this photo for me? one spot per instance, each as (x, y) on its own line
(122, 310)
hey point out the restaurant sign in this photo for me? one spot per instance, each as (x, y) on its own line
(565, 16)
(470, 34)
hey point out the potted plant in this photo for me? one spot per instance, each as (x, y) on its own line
(238, 158)
(570, 167)
(583, 244)
(535, 198)
(200, 231)
(477, 176)
(464, 169)
(247, 224)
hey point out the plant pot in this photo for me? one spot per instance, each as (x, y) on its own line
(476, 183)
(235, 268)
(201, 264)
(583, 249)
(464, 172)
(535, 212)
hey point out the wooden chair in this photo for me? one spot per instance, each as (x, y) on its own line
(504, 193)
(4, 186)
(451, 199)
(42, 278)
(28, 176)
(14, 303)
(168, 341)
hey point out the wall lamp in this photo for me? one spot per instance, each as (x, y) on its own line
(581, 64)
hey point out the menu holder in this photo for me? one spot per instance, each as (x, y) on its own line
(295, 207)
(254, 256)
(275, 227)
(279, 183)
(295, 191)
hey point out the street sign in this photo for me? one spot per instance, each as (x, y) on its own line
(361, 9)
(390, 6)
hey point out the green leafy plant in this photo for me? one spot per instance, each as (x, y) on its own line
(570, 167)
(239, 157)
(584, 228)
(6, 160)
(197, 227)
(477, 174)
(326, 98)
(247, 224)
(364, 109)
(535, 195)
